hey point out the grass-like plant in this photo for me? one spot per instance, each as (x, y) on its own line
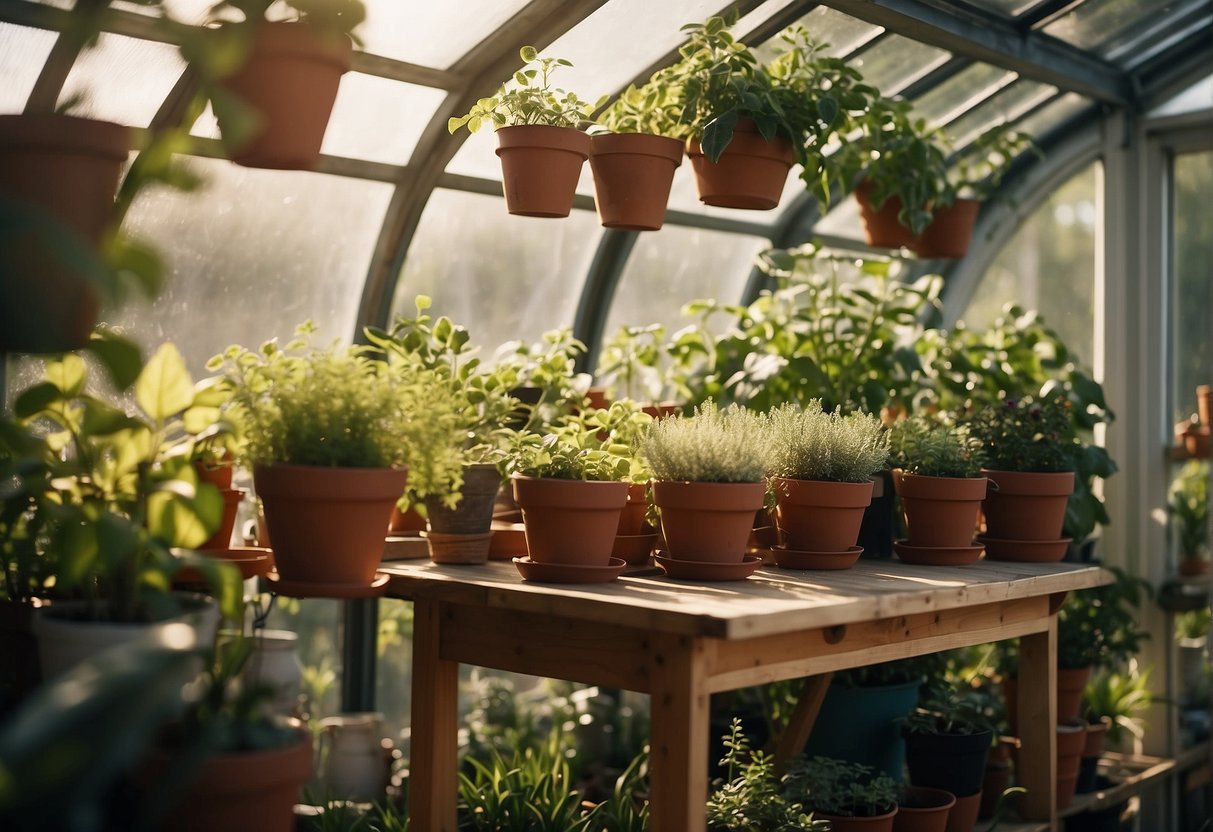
(808, 443)
(1027, 434)
(1122, 698)
(844, 789)
(935, 448)
(711, 445)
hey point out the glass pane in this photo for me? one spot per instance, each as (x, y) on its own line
(123, 79)
(1054, 114)
(504, 277)
(1011, 8)
(254, 254)
(378, 119)
(843, 221)
(186, 11)
(1199, 96)
(1057, 239)
(841, 33)
(1004, 107)
(896, 62)
(749, 22)
(429, 33)
(965, 89)
(23, 51)
(1095, 21)
(1193, 280)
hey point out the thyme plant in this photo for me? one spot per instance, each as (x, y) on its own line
(711, 445)
(844, 789)
(808, 443)
(935, 448)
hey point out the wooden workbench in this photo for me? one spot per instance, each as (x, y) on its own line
(681, 642)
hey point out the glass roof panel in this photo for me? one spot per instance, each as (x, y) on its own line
(841, 33)
(123, 79)
(504, 277)
(1011, 8)
(843, 221)
(253, 254)
(1095, 21)
(23, 51)
(1054, 114)
(896, 62)
(379, 119)
(186, 11)
(1008, 105)
(748, 22)
(1199, 96)
(964, 90)
(435, 33)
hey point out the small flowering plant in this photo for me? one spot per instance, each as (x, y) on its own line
(1029, 434)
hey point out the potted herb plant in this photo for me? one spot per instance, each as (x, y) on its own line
(937, 475)
(707, 485)
(1030, 447)
(820, 466)
(851, 796)
(541, 148)
(633, 162)
(329, 432)
(1188, 505)
(275, 71)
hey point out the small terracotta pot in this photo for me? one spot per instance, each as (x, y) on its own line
(1071, 681)
(749, 174)
(406, 522)
(963, 816)
(939, 511)
(1071, 738)
(947, 235)
(817, 516)
(222, 538)
(290, 80)
(570, 521)
(1193, 567)
(1097, 733)
(633, 173)
(880, 225)
(219, 475)
(473, 514)
(1204, 403)
(631, 519)
(327, 523)
(924, 810)
(839, 823)
(540, 166)
(1024, 505)
(708, 522)
(997, 777)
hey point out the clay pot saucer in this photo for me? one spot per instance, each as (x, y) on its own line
(634, 549)
(693, 570)
(796, 559)
(568, 573)
(938, 555)
(311, 589)
(1025, 551)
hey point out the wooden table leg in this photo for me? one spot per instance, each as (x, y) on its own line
(1037, 767)
(678, 764)
(800, 723)
(433, 761)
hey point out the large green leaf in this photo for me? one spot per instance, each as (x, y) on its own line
(183, 520)
(120, 356)
(164, 388)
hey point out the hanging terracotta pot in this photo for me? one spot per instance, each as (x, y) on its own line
(815, 516)
(939, 511)
(540, 166)
(947, 235)
(923, 810)
(750, 173)
(327, 523)
(708, 521)
(880, 225)
(290, 80)
(1022, 505)
(840, 823)
(64, 169)
(570, 521)
(633, 173)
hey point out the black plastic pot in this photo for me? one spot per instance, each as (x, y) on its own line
(1087, 775)
(1107, 819)
(879, 526)
(952, 762)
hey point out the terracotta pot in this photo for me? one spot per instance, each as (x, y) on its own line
(749, 174)
(1024, 505)
(473, 514)
(880, 225)
(65, 169)
(939, 511)
(238, 790)
(1070, 741)
(659, 410)
(327, 523)
(1071, 681)
(408, 523)
(219, 475)
(631, 519)
(817, 516)
(632, 177)
(997, 777)
(570, 521)
(708, 522)
(1204, 403)
(1195, 440)
(1097, 733)
(1192, 567)
(540, 166)
(840, 823)
(948, 233)
(459, 548)
(222, 538)
(290, 80)
(923, 810)
(963, 816)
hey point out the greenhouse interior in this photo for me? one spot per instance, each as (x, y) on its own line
(915, 296)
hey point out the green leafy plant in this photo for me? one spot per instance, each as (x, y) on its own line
(633, 364)
(1193, 624)
(1100, 626)
(808, 443)
(1122, 697)
(563, 457)
(841, 788)
(529, 98)
(548, 369)
(1188, 505)
(711, 445)
(752, 798)
(330, 16)
(978, 171)
(1026, 434)
(943, 708)
(652, 109)
(935, 447)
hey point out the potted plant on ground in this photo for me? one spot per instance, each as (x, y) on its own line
(937, 475)
(329, 433)
(634, 160)
(920, 809)
(1112, 705)
(1030, 447)
(707, 485)
(541, 148)
(273, 75)
(1188, 505)
(820, 466)
(852, 797)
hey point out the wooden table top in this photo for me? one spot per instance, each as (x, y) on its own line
(771, 601)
